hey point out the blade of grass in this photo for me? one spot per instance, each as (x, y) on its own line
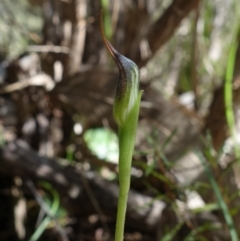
(169, 139)
(53, 210)
(207, 208)
(199, 230)
(228, 98)
(170, 235)
(222, 204)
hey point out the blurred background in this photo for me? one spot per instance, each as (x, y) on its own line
(58, 139)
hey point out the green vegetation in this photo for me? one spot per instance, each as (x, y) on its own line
(181, 156)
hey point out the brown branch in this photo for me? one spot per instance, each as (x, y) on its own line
(165, 26)
(78, 38)
(18, 159)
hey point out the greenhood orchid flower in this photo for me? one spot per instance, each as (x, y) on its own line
(127, 93)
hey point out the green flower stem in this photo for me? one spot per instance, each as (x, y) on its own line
(127, 134)
(125, 112)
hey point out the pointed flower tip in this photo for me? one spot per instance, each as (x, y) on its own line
(127, 92)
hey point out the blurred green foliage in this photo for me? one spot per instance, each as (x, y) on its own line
(20, 25)
(103, 143)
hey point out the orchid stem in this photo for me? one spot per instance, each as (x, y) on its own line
(125, 111)
(127, 134)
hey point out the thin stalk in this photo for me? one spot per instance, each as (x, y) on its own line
(222, 204)
(228, 98)
(127, 134)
